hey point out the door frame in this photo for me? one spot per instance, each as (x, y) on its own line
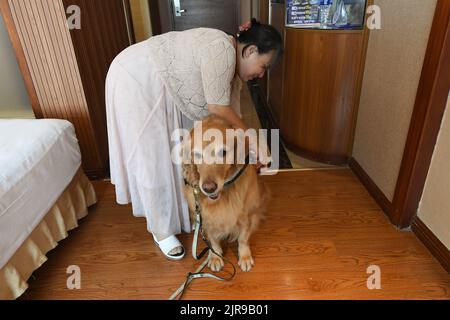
(129, 21)
(427, 116)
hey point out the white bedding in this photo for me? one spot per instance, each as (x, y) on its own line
(38, 159)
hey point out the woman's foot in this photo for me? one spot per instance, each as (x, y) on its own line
(171, 247)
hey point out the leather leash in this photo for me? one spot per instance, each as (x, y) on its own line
(198, 228)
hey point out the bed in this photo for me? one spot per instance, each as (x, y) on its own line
(43, 194)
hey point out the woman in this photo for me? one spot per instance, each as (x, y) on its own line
(166, 83)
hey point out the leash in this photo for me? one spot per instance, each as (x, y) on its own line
(199, 229)
(198, 272)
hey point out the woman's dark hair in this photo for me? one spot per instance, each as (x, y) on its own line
(265, 37)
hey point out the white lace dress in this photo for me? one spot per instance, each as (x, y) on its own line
(153, 88)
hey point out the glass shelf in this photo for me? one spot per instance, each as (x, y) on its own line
(326, 14)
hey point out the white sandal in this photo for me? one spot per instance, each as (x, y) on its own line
(167, 245)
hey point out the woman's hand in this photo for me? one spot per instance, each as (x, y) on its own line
(227, 113)
(255, 156)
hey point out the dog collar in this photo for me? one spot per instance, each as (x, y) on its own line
(238, 173)
(229, 182)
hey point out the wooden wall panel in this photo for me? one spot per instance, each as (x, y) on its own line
(47, 47)
(276, 73)
(263, 18)
(102, 36)
(64, 70)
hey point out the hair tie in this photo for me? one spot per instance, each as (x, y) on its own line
(245, 26)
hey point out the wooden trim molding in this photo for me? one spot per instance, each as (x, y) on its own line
(431, 99)
(371, 187)
(332, 159)
(434, 245)
(129, 21)
(96, 174)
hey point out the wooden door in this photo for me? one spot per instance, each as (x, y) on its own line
(104, 33)
(178, 15)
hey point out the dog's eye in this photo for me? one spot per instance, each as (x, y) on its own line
(197, 154)
(222, 153)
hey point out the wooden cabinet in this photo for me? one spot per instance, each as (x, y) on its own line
(320, 95)
(313, 93)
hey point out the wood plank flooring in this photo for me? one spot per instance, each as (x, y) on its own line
(322, 232)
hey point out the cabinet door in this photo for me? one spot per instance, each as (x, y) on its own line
(320, 92)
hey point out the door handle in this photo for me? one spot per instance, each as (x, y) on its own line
(177, 7)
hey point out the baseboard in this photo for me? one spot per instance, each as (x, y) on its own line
(372, 188)
(96, 174)
(318, 157)
(433, 244)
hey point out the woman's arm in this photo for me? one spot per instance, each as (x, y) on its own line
(227, 113)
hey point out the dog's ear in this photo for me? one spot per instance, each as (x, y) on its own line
(186, 147)
(190, 172)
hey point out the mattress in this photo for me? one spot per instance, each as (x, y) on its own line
(38, 159)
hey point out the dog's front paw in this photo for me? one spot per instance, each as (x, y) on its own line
(215, 263)
(246, 263)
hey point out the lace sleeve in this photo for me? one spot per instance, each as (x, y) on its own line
(218, 64)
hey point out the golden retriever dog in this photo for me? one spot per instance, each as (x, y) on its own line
(230, 212)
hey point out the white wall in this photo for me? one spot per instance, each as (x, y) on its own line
(14, 100)
(394, 63)
(434, 208)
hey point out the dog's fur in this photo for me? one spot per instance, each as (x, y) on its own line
(238, 210)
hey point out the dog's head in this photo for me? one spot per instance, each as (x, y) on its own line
(211, 156)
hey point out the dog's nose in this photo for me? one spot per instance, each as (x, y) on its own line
(209, 187)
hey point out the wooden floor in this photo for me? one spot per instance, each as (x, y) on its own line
(322, 232)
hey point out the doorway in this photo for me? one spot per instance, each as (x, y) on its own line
(179, 15)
